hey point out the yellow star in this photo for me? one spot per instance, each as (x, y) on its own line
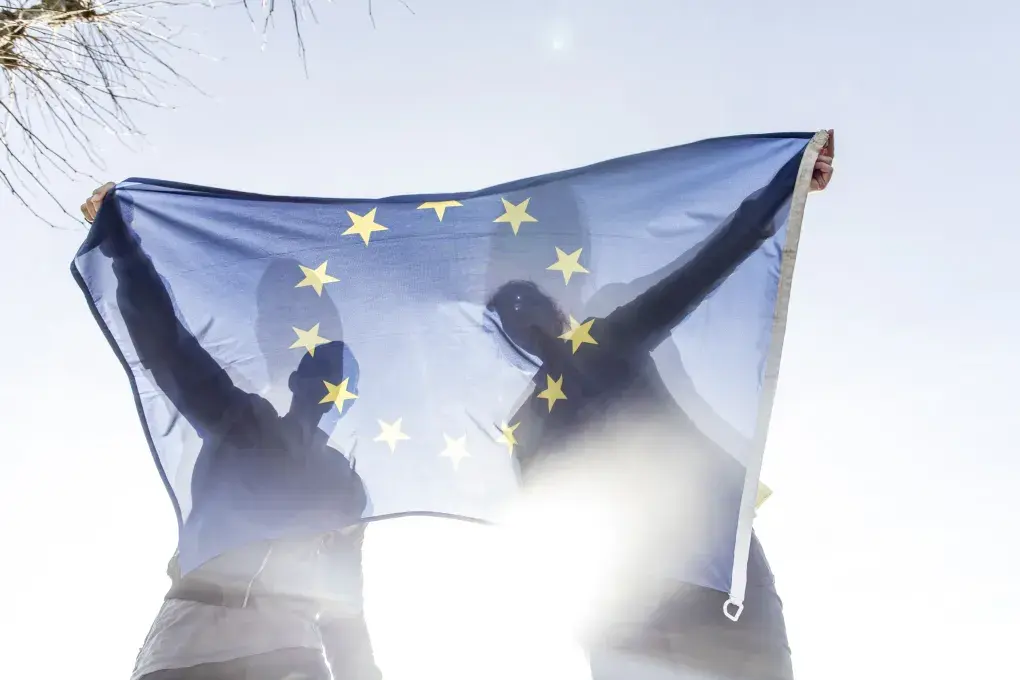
(363, 225)
(568, 264)
(515, 214)
(308, 340)
(337, 394)
(579, 334)
(553, 391)
(507, 437)
(316, 278)
(391, 434)
(439, 206)
(455, 449)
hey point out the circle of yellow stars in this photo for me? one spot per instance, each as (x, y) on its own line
(391, 433)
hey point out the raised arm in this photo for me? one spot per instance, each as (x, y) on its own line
(669, 295)
(195, 383)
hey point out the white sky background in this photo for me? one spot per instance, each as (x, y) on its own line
(893, 448)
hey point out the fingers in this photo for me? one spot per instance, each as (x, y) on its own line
(90, 208)
(824, 180)
(829, 150)
(821, 177)
(822, 172)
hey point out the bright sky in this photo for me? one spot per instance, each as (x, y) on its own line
(893, 449)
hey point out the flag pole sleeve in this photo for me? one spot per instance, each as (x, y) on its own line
(738, 585)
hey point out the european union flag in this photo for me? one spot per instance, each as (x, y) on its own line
(303, 364)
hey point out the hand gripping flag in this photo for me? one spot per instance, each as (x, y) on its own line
(303, 364)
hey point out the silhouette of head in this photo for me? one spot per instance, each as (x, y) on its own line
(529, 316)
(332, 363)
(281, 308)
(526, 256)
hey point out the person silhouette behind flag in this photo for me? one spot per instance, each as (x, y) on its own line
(263, 609)
(604, 406)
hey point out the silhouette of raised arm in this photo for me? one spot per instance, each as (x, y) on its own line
(195, 383)
(673, 292)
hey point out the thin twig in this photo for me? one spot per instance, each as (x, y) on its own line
(70, 69)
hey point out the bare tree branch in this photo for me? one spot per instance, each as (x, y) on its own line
(371, 10)
(70, 69)
(73, 69)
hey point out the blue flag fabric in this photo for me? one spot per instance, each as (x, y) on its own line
(302, 364)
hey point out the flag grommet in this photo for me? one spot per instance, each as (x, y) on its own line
(733, 609)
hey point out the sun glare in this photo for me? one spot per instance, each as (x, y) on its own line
(578, 551)
(449, 599)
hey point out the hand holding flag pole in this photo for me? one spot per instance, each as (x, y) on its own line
(822, 173)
